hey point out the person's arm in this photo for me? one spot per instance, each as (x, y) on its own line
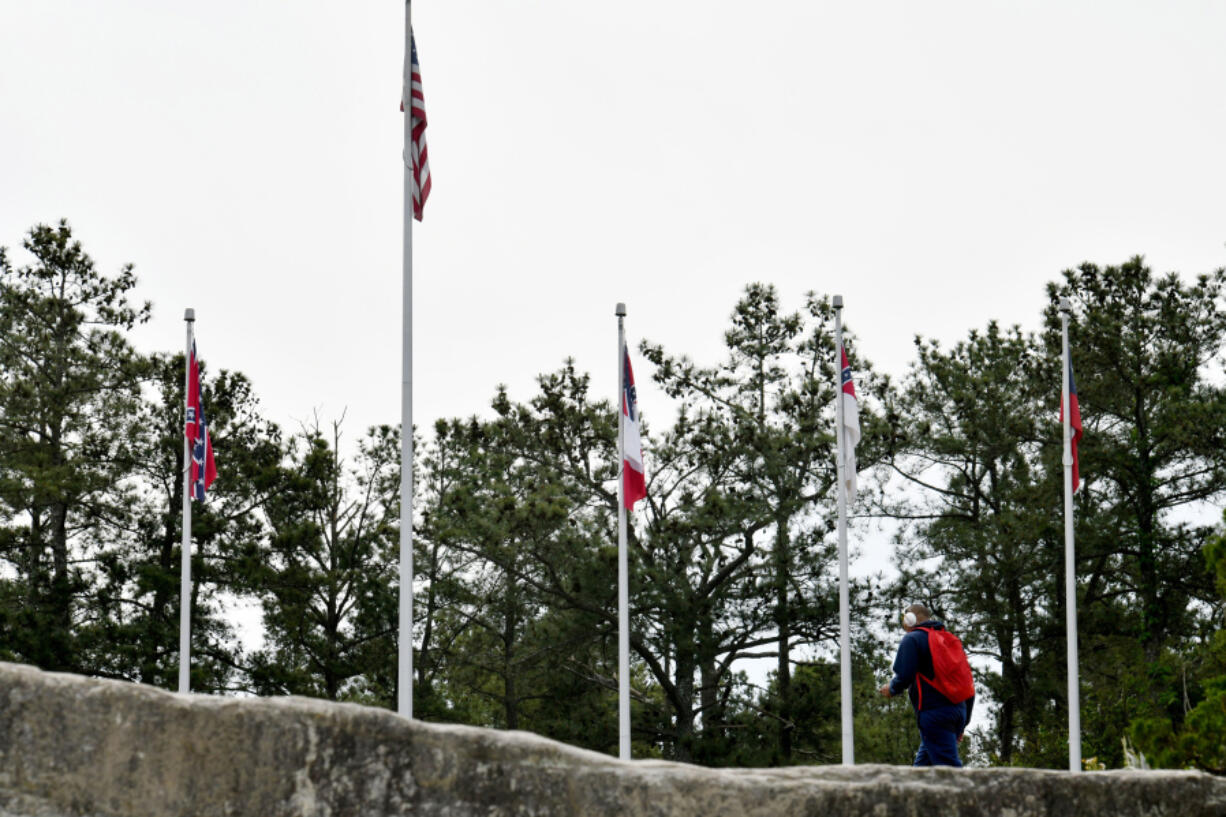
(970, 705)
(906, 663)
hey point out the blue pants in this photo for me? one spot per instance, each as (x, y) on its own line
(939, 729)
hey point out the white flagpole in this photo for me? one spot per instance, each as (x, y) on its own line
(404, 676)
(623, 566)
(1070, 568)
(185, 573)
(849, 753)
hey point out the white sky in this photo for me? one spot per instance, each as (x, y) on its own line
(935, 163)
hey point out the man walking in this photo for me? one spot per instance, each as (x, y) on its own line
(932, 665)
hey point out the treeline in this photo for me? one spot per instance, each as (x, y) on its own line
(732, 554)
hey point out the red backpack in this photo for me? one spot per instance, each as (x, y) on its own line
(951, 673)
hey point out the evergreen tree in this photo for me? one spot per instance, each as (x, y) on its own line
(498, 514)
(977, 420)
(440, 573)
(764, 420)
(69, 391)
(325, 573)
(517, 530)
(981, 443)
(138, 590)
(1146, 350)
(1195, 739)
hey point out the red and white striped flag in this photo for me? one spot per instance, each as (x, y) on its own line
(851, 427)
(417, 147)
(634, 480)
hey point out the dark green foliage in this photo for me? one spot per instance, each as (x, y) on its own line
(69, 393)
(1147, 352)
(527, 504)
(978, 437)
(325, 572)
(1147, 347)
(732, 554)
(1195, 739)
(502, 525)
(752, 506)
(140, 584)
(978, 419)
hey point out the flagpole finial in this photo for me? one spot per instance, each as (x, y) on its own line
(620, 311)
(1065, 306)
(837, 301)
(189, 314)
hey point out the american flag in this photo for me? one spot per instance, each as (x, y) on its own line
(417, 147)
(204, 471)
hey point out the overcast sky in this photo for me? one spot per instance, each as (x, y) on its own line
(934, 162)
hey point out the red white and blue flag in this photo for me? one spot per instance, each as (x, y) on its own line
(634, 481)
(1074, 423)
(851, 426)
(197, 430)
(416, 148)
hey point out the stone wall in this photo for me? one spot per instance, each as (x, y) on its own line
(80, 746)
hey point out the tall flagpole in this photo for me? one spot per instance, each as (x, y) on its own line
(849, 753)
(623, 566)
(185, 574)
(1070, 568)
(404, 675)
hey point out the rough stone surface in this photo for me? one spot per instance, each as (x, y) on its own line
(80, 746)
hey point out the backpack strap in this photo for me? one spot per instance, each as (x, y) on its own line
(920, 677)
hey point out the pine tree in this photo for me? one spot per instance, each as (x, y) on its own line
(764, 420)
(976, 422)
(69, 387)
(139, 589)
(325, 572)
(1147, 353)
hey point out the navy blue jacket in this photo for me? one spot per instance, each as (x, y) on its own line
(915, 659)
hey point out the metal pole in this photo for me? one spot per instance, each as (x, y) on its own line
(623, 562)
(185, 573)
(404, 676)
(849, 750)
(1070, 566)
